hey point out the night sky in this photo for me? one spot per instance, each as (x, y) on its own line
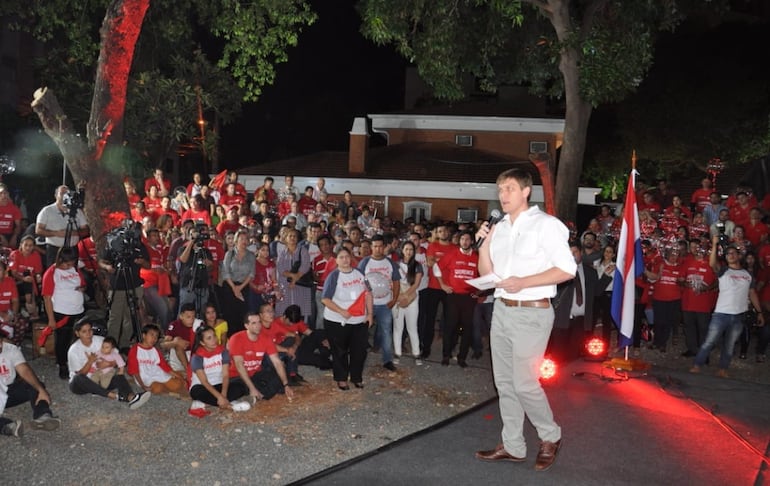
(333, 75)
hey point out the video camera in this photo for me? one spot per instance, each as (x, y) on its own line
(74, 200)
(123, 242)
(200, 233)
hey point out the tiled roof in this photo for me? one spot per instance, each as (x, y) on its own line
(437, 161)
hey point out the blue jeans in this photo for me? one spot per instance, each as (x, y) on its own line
(383, 318)
(729, 324)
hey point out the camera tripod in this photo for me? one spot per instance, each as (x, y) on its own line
(123, 275)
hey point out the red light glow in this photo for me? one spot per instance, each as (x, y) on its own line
(596, 347)
(547, 369)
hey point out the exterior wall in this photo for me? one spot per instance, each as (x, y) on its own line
(443, 209)
(512, 144)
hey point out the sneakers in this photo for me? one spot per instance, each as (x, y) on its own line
(46, 422)
(64, 372)
(417, 361)
(240, 406)
(198, 412)
(14, 429)
(695, 369)
(397, 360)
(198, 409)
(722, 373)
(250, 399)
(139, 400)
(389, 366)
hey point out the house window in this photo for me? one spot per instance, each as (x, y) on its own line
(418, 210)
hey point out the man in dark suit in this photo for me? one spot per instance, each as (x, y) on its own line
(574, 308)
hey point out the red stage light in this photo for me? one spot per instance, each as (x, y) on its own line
(596, 347)
(547, 369)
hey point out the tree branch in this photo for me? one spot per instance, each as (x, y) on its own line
(57, 125)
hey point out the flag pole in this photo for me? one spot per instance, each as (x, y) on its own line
(628, 268)
(633, 170)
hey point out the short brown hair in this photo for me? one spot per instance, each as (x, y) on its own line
(523, 177)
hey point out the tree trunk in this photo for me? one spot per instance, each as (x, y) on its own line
(578, 113)
(105, 199)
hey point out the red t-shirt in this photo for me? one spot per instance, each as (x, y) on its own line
(253, 352)
(701, 198)
(18, 263)
(200, 215)
(279, 329)
(754, 232)
(151, 181)
(667, 287)
(158, 257)
(436, 250)
(457, 267)
(229, 201)
(8, 293)
(323, 268)
(9, 214)
(152, 205)
(226, 225)
(700, 273)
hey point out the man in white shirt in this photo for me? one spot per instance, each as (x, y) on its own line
(528, 251)
(15, 392)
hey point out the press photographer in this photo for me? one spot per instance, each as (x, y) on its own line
(195, 263)
(63, 222)
(723, 229)
(122, 257)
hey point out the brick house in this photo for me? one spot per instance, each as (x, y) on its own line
(431, 166)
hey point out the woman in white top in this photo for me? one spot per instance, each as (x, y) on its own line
(82, 359)
(406, 309)
(603, 301)
(62, 291)
(344, 291)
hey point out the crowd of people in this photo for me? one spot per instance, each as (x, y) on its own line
(221, 294)
(706, 275)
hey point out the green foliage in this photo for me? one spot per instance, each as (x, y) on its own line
(171, 73)
(257, 35)
(513, 42)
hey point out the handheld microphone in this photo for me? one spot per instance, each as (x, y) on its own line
(494, 217)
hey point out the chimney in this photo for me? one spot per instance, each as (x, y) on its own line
(359, 145)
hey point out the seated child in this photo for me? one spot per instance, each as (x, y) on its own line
(148, 367)
(180, 336)
(108, 354)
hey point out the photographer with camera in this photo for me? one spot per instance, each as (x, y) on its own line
(122, 257)
(722, 228)
(62, 222)
(195, 263)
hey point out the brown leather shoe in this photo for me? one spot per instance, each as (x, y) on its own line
(547, 455)
(498, 454)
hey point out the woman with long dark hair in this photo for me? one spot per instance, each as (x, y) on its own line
(602, 302)
(406, 310)
(291, 263)
(210, 378)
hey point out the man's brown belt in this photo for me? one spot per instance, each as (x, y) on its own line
(540, 303)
